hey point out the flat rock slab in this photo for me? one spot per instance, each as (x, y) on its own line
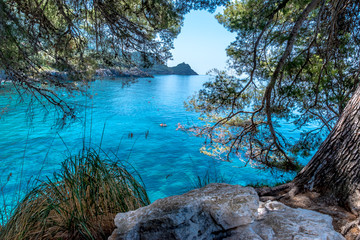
(221, 211)
(277, 221)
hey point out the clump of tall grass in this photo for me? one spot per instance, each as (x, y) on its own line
(79, 202)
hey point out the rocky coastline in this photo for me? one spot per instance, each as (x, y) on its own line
(222, 211)
(158, 69)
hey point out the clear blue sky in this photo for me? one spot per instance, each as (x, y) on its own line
(201, 43)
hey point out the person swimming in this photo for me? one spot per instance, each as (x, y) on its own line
(163, 125)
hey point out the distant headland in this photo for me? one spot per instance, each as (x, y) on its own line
(161, 69)
(157, 69)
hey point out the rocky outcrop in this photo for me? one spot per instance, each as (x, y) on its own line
(222, 211)
(277, 221)
(113, 72)
(204, 213)
(161, 69)
(134, 72)
(183, 69)
(102, 72)
(157, 69)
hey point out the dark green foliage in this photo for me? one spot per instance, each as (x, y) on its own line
(79, 202)
(180, 69)
(183, 69)
(297, 62)
(40, 38)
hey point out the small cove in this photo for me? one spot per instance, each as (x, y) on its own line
(166, 159)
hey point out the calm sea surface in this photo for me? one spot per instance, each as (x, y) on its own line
(167, 160)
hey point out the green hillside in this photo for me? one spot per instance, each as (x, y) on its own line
(181, 69)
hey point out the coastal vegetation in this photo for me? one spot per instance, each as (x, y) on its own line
(79, 202)
(161, 69)
(295, 61)
(78, 37)
(298, 62)
(51, 49)
(156, 69)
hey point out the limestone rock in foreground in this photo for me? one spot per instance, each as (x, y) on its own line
(221, 211)
(280, 222)
(199, 214)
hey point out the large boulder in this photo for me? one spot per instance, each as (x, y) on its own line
(202, 213)
(221, 211)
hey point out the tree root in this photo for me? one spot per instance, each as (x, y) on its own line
(344, 221)
(287, 190)
(347, 227)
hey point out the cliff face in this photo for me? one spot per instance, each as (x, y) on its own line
(181, 69)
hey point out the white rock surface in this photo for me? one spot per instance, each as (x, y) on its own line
(222, 211)
(278, 221)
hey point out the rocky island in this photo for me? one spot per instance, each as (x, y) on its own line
(161, 69)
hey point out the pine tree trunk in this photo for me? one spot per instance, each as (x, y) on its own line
(334, 170)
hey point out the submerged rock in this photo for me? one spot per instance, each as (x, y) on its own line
(222, 211)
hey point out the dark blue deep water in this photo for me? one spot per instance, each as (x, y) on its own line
(31, 146)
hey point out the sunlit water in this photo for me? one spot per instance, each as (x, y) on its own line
(167, 160)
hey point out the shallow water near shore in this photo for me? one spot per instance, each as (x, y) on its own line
(125, 121)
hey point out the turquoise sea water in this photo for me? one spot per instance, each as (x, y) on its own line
(167, 160)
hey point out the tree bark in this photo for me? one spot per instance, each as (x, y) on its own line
(334, 170)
